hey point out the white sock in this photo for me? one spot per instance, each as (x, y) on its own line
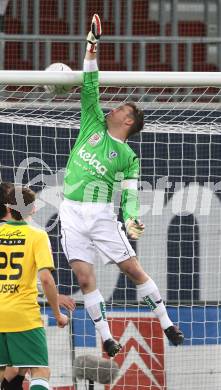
(39, 383)
(151, 296)
(94, 303)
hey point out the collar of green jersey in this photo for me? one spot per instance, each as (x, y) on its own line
(16, 223)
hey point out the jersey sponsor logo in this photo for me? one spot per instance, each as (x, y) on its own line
(13, 241)
(94, 139)
(92, 160)
(9, 234)
(112, 154)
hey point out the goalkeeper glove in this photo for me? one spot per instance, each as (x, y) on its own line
(134, 228)
(94, 35)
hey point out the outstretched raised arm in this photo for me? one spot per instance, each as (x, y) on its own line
(90, 107)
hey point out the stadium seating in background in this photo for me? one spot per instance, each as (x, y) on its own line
(13, 57)
(59, 50)
(98, 7)
(108, 20)
(108, 60)
(50, 21)
(141, 22)
(199, 54)
(53, 26)
(140, 10)
(191, 28)
(152, 28)
(199, 51)
(205, 68)
(159, 68)
(12, 52)
(12, 25)
(49, 9)
(152, 57)
(59, 53)
(74, 62)
(53, 20)
(12, 21)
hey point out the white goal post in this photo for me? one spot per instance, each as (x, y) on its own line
(112, 78)
(180, 195)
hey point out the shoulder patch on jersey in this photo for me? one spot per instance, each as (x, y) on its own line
(113, 154)
(94, 139)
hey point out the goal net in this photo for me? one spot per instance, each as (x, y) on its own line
(180, 194)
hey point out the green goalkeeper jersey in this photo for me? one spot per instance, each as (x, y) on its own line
(98, 162)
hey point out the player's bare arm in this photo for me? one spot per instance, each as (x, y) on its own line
(50, 291)
(134, 227)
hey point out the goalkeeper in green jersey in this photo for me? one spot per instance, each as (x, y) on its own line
(99, 160)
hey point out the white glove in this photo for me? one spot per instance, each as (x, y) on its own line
(94, 35)
(134, 228)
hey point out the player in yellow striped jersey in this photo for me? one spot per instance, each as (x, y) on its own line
(64, 301)
(24, 253)
(14, 377)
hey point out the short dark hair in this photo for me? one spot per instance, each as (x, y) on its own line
(23, 198)
(138, 116)
(4, 190)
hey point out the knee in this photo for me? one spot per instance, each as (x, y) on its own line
(85, 277)
(84, 280)
(40, 372)
(132, 266)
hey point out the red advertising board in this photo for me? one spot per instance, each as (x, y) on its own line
(141, 359)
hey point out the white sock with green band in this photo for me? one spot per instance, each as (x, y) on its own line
(94, 303)
(39, 384)
(150, 294)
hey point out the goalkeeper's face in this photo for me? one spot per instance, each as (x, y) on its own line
(120, 117)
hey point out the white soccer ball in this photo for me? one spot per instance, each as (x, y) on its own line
(58, 89)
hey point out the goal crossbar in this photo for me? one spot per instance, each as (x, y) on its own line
(171, 100)
(112, 78)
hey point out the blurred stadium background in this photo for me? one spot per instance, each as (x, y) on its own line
(181, 144)
(138, 34)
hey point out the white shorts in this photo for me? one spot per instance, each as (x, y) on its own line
(90, 227)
